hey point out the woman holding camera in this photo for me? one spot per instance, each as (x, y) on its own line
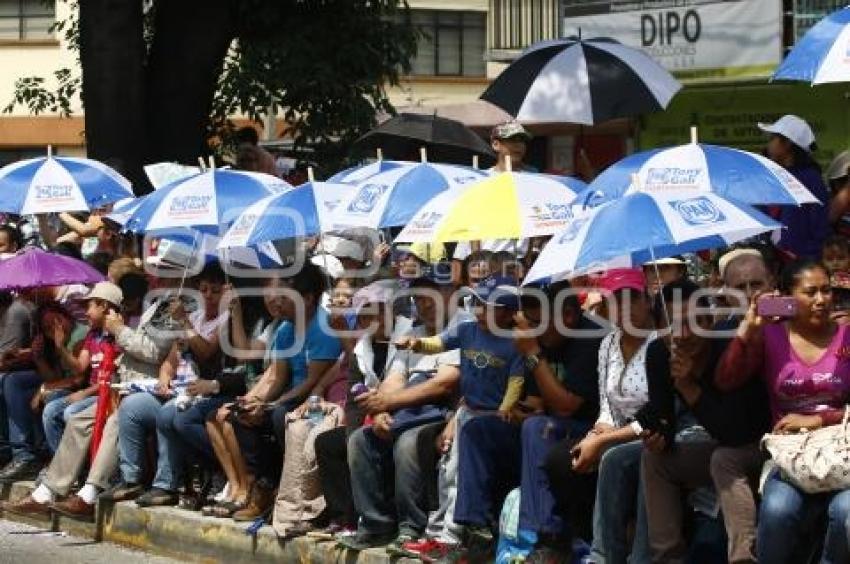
(805, 363)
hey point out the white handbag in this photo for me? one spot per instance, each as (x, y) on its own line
(815, 461)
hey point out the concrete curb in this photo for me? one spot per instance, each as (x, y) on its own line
(189, 536)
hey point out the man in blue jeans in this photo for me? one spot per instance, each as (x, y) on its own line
(564, 369)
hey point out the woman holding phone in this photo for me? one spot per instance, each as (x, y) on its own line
(804, 358)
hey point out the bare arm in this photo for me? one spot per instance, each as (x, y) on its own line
(83, 229)
(315, 371)
(558, 399)
(440, 387)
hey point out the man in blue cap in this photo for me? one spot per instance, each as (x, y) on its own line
(492, 376)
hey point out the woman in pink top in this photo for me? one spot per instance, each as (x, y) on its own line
(805, 362)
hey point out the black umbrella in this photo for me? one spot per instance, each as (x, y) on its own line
(581, 81)
(446, 140)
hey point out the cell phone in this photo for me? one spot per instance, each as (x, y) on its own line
(777, 306)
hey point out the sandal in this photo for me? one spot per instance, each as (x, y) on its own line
(226, 509)
(192, 502)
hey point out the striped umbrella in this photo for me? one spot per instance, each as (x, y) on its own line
(820, 56)
(392, 198)
(581, 81)
(360, 173)
(511, 205)
(59, 184)
(731, 173)
(643, 227)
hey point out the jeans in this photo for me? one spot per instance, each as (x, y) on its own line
(488, 468)
(619, 498)
(397, 502)
(137, 418)
(537, 504)
(24, 426)
(786, 512)
(188, 429)
(57, 412)
(332, 458)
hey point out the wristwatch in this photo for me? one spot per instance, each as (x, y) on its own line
(531, 362)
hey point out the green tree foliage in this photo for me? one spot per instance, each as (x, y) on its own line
(321, 64)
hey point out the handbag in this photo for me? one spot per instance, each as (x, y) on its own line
(815, 461)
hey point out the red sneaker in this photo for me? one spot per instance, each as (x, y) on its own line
(429, 550)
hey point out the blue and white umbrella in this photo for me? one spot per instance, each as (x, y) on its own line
(642, 227)
(304, 211)
(392, 198)
(59, 184)
(208, 201)
(731, 173)
(360, 173)
(821, 56)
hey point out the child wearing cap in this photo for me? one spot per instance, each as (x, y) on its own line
(97, 344)
(492, 370)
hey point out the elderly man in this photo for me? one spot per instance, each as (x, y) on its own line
(729, 458)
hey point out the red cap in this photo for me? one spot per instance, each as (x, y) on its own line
(621, 278)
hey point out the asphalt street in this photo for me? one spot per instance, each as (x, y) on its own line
(30, 545)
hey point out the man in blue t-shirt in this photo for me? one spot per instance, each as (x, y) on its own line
(491, 382)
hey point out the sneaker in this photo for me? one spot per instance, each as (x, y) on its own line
(157, 497)
(20, 471)
(396, 548)
(123, 491)
(364, 541)
(429, 550)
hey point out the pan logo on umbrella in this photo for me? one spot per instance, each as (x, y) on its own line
(466, 179)
(427, 221)
(698, 211)
(190, 206)
(53, 193)
(244, 225)
(672, 177)
(367, 198)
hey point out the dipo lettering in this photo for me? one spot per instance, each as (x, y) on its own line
(663, 27)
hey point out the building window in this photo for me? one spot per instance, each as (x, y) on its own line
(451, 43)
(26, 20)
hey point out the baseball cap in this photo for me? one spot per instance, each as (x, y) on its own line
(106, 291)
(621, 279)
(428, 253)
(794, 128)
(509, 130)
(499, 291)
(839, 167)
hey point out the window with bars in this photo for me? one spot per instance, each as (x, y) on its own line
(26, 20)
(809, 12)
(451, 43)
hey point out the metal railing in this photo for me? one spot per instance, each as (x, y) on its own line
(807, 13)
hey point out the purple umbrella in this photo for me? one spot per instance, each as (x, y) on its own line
(34, 268)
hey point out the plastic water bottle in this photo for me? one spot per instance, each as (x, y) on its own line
(184, 374)
(315, 414)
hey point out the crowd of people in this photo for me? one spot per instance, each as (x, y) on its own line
(421, 400)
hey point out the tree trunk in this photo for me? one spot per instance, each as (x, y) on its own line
(190, 42)
(112, 53)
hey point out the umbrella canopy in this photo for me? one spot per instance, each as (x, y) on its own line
(203, 201)
(658, 225)
(446, 140)
(731, 173)
(35, 268)
(581, 81)
(821, 55)
(510, 205)
(301, 212)
(360, 173)
(59, 184)
(392, 198)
